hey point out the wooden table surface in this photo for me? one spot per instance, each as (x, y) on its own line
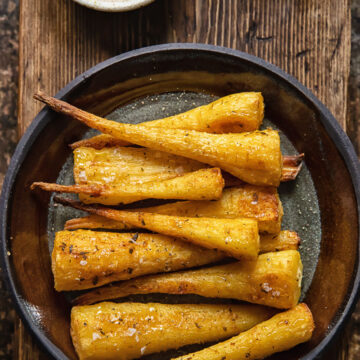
(309, 39)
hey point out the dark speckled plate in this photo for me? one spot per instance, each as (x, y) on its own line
(321, 205)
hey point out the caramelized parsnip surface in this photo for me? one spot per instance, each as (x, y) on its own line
(129, 330)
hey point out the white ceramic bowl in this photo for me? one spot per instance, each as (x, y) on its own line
(114, 5)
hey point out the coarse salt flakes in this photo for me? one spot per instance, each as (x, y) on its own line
(228, 239)
(82, 176)
(113, 317)
(266, 287)
(131, 331)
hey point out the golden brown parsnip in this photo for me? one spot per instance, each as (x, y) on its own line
(86, 259)
(113, 164)
(128, 165)
(273, 280)
(249, 201)
(285, 240)
(291, 167)
(253, 157)
(129, 330)
(233, 113)
(204, 184)
(282, 332)
(238, 237)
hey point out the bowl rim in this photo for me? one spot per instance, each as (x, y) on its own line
(333, 129)
(114, 6)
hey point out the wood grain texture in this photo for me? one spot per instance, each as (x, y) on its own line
(310, 39)
(25, 347)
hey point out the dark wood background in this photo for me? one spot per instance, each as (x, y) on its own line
(309, 39)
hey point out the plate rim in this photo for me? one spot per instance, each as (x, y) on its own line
(332, 127)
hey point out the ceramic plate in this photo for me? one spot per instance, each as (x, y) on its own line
(322, 205)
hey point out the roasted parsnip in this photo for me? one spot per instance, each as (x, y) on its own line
(204, 184)
(233, 113)
(119, 164)
(285, 240)
(108, 164)
(130, 330)
(84, 259)
(128, 165)
(253, 157)
(237, 237)
(249, 201)
(273, 280)
(282, 332)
